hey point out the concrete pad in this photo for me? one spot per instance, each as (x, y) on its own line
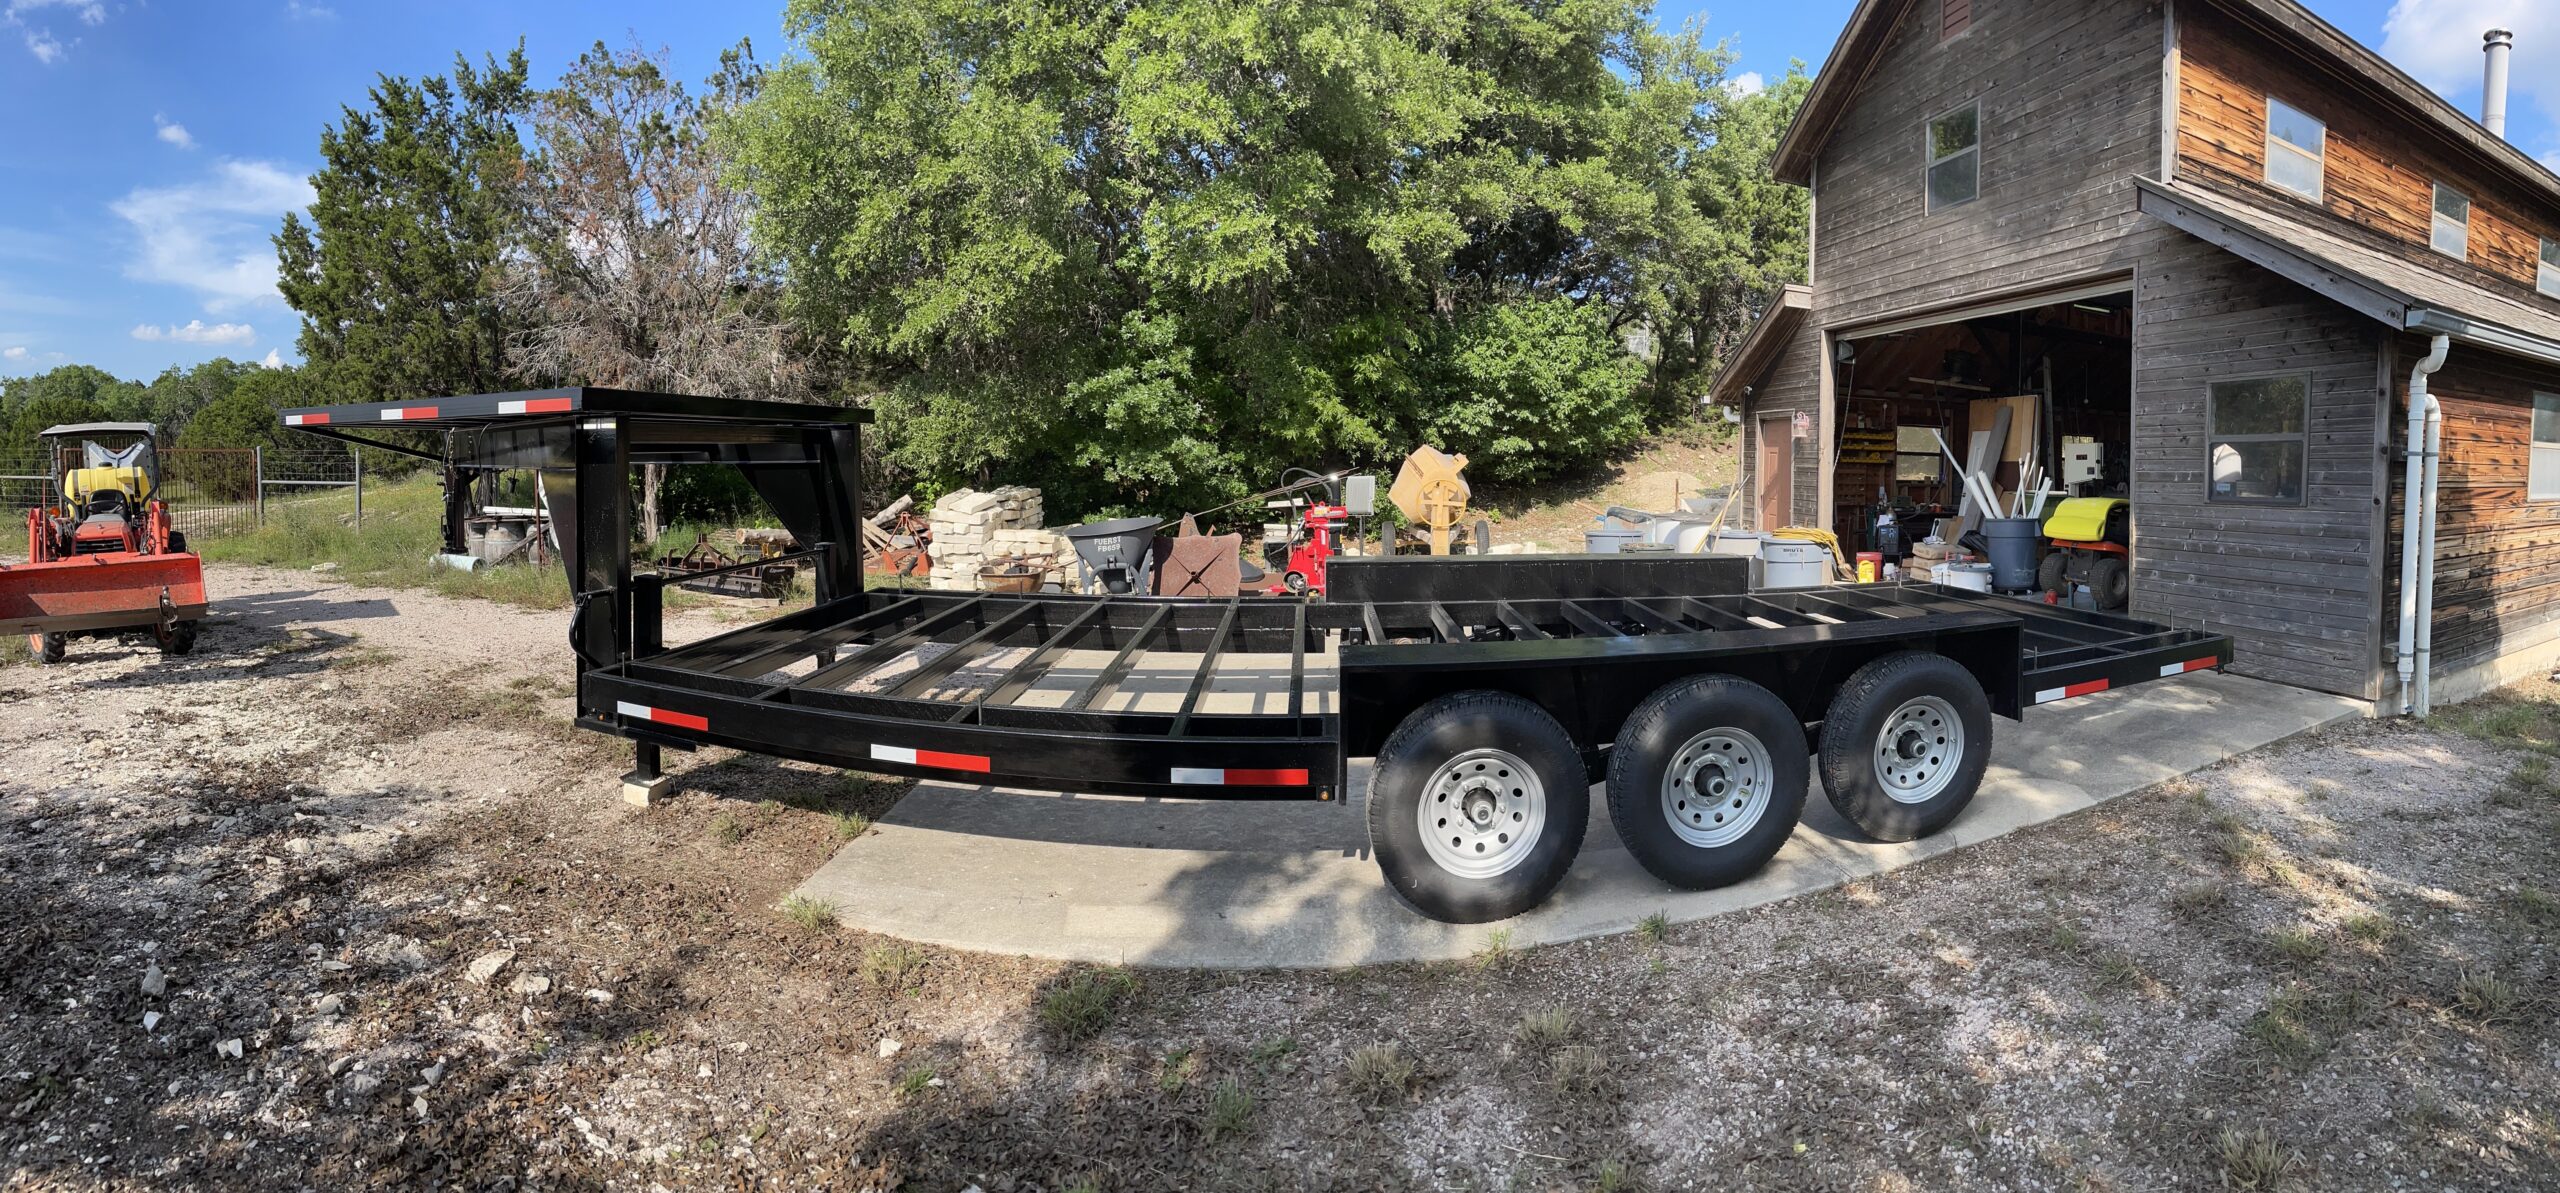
(1205, 883)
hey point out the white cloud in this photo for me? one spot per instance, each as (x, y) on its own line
(197, 331)
(173, 132)
(41, 42)
(2438, 43)
(1745, 85)
(274, 359)
(211, 236)
(297, 10)
(19, 352)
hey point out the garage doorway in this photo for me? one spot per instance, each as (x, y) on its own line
(2062, 372)
(1776, 468)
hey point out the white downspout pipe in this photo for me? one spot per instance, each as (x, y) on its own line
(2418, 526)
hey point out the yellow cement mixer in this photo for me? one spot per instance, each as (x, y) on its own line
(1431, 492)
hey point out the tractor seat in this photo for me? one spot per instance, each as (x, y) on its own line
(105, 503)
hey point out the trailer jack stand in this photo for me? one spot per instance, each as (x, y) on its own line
(646, 785)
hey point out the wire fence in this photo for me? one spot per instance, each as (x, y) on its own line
(210, 491)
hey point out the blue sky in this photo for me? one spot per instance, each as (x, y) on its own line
(149, 149)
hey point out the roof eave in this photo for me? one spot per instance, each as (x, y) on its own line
(1760, 350)
(1833, 87)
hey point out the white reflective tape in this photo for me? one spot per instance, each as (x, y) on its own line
(899, 754)
(1199, 775)
(2173, 669)
(628, 709)
(2048, 694)
(510, 407)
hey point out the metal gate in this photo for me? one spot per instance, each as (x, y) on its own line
(210, 490)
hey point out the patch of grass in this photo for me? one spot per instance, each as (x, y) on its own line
(2538, 906)
(914, 1081)
(2066, 938)
(816, 915)
(2370, 927)
(2507, 720)
(851, 824)
(892, 966)
(1616, 1176)
(1274, 1050)
(1577, 1072)
(14, 650)
(403, 529)
(2485, 996)
(1541, 1030)
(1654, 929)
(727, 830)
(2253, 1159)
(2284, 1029)
(2530, 785)
(646, 1039)
(1081, 1007)
(2300, 946)
(1496, 950)
(1379, 1073)
(1230, 1110)
(1176, 1070)
(2117, 969)
(2197, 900)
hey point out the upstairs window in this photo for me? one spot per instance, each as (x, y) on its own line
(1954, 17)
(2548, 280)
(2542, 472)
(2258, 439)
(2451, 234)
(1955, 157)
(2296, 143)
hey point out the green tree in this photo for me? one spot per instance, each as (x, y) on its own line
(1149, 253)
(175, 397)
(249, 412)
(120, 399)
(29, 420)
(417, 205)
(1757, 229)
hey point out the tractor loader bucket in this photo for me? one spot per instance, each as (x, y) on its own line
(121, 590)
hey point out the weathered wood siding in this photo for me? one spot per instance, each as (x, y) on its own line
(2293, 586)
(2070, 114)
(2379, 173)
(2497, 550)
(1793, 384)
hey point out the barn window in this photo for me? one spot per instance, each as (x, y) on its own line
(1955, 157)
(1954, 17)
(2451, 234)
(2259, 441)
(2542, 472)
(2548, 280)
(2296, 142)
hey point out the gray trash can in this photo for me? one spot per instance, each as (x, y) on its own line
(2013, 552)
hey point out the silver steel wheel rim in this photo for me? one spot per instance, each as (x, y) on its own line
(1919, 750)
(1481, 813)
(1717, 787)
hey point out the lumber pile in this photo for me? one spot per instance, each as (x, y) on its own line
(967, 523)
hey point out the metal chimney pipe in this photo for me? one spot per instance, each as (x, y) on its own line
(2497, 44)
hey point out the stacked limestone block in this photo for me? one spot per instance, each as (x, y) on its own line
(967, 524)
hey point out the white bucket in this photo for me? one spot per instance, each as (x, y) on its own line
(1734, 542)
(1791, 563)
(1971, 577)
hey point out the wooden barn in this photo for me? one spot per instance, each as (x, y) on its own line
(2208, 244)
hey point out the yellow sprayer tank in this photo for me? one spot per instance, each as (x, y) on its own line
(1430, 491)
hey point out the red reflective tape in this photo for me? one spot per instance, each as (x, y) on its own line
(2198, 664)
(2083, 689)
(969, 762)
(400, 413)
(663, 716)
(305, 420)
(1266, 778)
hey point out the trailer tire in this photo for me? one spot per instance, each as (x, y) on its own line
(1880, 738)
(1728, 740)
(50, 648)
(1512, 840)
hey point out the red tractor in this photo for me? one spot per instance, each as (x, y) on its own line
(102, 561)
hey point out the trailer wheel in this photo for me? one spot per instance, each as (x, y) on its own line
(1707, 780)
(1477, 804)
(49, 647)
(1904, 745)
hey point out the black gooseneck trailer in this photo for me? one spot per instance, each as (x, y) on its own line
(1490, 691)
